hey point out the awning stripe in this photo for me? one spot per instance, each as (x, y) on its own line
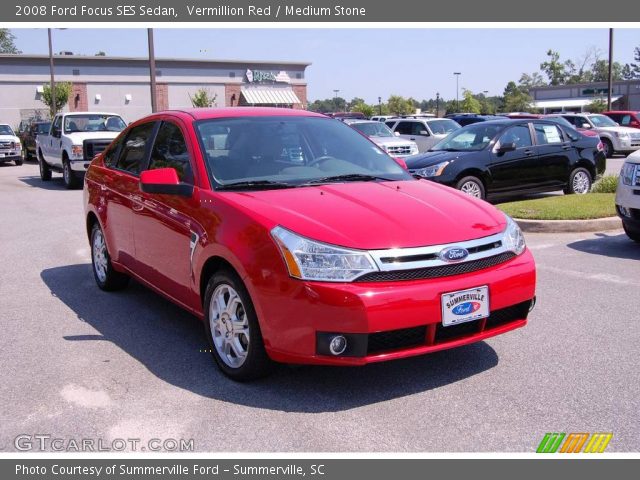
(269, 95)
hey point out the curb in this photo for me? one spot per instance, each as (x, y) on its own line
(569, 226)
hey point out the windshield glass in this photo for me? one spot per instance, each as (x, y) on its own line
(5, 130)
(470, 138)
(93, 123)
(602, 121)
(443, 127)
(43, 127)
(373, 129)
(290, 151)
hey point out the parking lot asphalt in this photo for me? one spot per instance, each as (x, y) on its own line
(81, 363)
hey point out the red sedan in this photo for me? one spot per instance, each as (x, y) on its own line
(298, 240)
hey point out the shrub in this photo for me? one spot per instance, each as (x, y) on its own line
(606, 184)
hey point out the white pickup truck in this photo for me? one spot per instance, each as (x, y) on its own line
(73, 140)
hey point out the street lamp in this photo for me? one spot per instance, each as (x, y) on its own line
(457, 74)
(335, 98)
(379, 105)
(437, 104)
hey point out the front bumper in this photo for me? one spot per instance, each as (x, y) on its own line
(389, 320)
(80, 165)
(628, 197)
(10, 156)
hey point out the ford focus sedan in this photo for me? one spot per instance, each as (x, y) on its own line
(296, 239)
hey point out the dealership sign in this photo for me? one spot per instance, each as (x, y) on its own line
(257, 76)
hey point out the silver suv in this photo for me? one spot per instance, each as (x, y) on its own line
(426, 132)
(614, 137)
(382, 136)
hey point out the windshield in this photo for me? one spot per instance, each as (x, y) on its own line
(276, 152)
(443, 127)
(43, 127)
(602, 121)
(93, 123)
(470, 138)
(373, 129)
(6, 130)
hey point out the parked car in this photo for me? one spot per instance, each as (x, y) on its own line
(10, 147)
(382, 118)
(343, 115)
(296, 240)
(29, 134)
(505, 157)
(625, 118)
(469, 118)
(614, 137)
(73, 140)
(628, 196)
(563, 121)
(382, 136)
(426, 132)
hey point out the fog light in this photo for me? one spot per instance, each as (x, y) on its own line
(624, 211)
(338, 345)
(533, 303)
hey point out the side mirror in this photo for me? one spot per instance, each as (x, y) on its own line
(424, 132)
(56, 133)
(586, 125)
(164, 181)
(397, 134)
(401, 162)
(507, 147)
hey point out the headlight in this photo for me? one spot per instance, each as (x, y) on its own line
(627, 173)
(513, 239)
(433, 170)
(310, 260)
(414, 149)
(76, 150)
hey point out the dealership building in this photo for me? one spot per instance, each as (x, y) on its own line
(625, 95)
(121, 84)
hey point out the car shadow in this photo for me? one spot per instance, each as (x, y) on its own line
(170, 343)
(609, 245)
(56, 183)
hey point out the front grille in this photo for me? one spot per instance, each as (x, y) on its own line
(94, 147)
(444, 334)
(437, 272)
(396, 339)
(7, 145)
(399, 149)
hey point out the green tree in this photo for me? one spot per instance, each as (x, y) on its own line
(635, 67)
(203, 98)
(530, 81)
(469, 103)
(367, 110)
(63, 90)
(627, 72)
(399, 105)
(597, 106)
(554, 68)
(7, 44)
(101, 54)
(354, 101)
(600, 71)
(516, 98)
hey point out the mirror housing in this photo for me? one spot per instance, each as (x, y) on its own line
(507, 147)
(586, 125)
(424, 132)
(164, 181)
(397, 134)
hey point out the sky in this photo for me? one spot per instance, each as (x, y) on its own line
(366, 63)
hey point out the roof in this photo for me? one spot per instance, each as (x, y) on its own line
(234, 112)
(569, 102)
(93, 58)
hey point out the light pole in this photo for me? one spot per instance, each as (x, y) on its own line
(152, 71)
(437, 104)
(53, 85)
(457, 74)
(379, 105)
(335, 98)
(610, 69)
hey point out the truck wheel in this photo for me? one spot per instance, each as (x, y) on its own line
(18, 161)
(45, 169)
(232, 328)
(70, 179)
(608, 147)
(579, 182)
(106, 277)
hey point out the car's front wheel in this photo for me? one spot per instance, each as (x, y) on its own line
(70, 179)
(579, 182)
(633, 235)
(472, 186)
(232, 328)
(608, 147)
(106, 277)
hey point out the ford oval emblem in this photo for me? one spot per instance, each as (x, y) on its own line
(466, 308)
(454, 254)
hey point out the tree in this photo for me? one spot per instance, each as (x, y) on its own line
(554, 68)
(627, 72)
(469, 104)
(203, 98)
(635, 67)
(366, 110)
(399, 105)
(600, 71)
(530, 81)
(597, 106)
(516, 98)
(101, 54)
(354, 101)
(7, 44)
(63, 90)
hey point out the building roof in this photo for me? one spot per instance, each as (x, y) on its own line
(569, 102)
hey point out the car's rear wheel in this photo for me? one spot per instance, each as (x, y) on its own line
(232, 328)
(472, 186)
(635, 236)
(608, 147)
(579, 182)
(106, 277)
(45, 169)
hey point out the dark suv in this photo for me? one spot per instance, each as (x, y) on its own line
(503, 157)
(29, 134)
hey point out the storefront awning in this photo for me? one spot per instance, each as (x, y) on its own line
(571, 102)
(269, 95)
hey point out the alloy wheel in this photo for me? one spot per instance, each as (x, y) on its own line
(472, 189)
(581, 183)
(229, 326)
(100, 263)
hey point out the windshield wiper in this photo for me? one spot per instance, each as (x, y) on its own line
(254, 185)
(349, 177)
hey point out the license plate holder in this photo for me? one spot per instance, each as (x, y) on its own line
(465, 305)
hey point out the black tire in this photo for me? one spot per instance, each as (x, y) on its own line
(71, 181)
(472, 184)
(18, 161)
(45, 169)
(608, 147)
(112, 280)
(257, 363)
(580, 187)
(633, 235)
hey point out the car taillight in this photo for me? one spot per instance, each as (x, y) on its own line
(600, 147)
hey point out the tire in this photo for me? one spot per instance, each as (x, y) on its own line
(633, 235)
(106, 277)
(18, 161)
(608, 148)
(580, 182)
(472, 186)
(45, 169)
(71, 181)
(236, 345)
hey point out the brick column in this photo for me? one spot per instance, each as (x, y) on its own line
(162, 96)
(301, 93)
(231, 89)
(78, 98)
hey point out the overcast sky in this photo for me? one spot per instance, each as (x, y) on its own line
(359, 62)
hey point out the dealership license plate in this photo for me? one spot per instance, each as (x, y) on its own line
(465, 306)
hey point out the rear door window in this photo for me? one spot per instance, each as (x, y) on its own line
(547, 134)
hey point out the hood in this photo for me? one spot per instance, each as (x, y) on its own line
(626, 130)
(432, 158)
(9, 138)
(391, 141)
(79, 137)
(371, 215)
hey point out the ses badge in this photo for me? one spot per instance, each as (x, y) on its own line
(465, 306)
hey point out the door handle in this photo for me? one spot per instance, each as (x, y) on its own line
(566, 147)
(528, 152)
(413, 138)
